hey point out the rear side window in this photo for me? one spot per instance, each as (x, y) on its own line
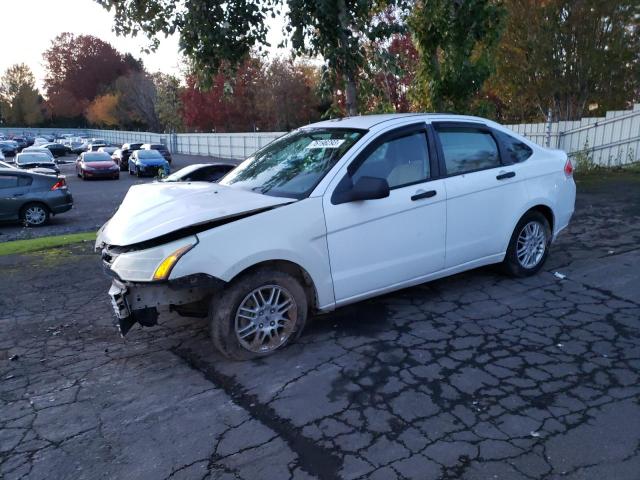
(8, 181)
(467, 149)
(400, 161)
(515, 150)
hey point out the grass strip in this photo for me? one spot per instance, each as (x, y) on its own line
(42, 243)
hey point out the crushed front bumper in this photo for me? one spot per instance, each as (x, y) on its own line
(143, 302)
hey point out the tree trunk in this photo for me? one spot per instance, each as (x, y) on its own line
(351, 93)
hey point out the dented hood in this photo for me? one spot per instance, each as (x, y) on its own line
(155, 209)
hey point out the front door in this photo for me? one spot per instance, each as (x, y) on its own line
(376, 245)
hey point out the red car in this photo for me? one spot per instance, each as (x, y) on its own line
(96, 165)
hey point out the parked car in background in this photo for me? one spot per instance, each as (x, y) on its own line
(2, 159)
(127, 150)
(21, 142)
(116, 156)
(160, 148)
(57, 149)
(40, 141)
(331, 214)
(8, 148)
(200, 172)
(76, 147)
(96, 165)
(35, 149)
(32, 197)
(148, 163)
(29, 160)
(108, 149)
(94, 147)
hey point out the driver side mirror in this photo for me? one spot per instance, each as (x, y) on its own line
(366, 188)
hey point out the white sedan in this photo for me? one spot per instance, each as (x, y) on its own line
(331, 214)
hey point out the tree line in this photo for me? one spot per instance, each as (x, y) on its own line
(511, 60)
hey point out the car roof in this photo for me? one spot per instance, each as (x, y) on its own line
(369, 121)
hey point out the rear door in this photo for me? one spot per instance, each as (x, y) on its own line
(378, 245)
(13, 189)
(485, 191)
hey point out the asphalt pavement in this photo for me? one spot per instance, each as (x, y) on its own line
(477, 376)
(95, 201)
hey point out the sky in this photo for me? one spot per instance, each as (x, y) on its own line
(29, 26)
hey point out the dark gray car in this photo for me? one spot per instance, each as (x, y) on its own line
(32, 197)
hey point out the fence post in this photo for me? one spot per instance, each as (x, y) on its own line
(548, 137)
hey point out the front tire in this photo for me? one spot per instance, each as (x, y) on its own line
(257, 314)
(529, 245)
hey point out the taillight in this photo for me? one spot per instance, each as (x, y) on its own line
(568, 168)
(61, 183)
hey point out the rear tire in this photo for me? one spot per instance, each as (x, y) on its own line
(529, 245)
(257, 314)
(35, 214)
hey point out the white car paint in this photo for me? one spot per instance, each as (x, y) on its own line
(154, 209)
(360, 249)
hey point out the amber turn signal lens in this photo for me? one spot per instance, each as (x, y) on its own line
(164, 269)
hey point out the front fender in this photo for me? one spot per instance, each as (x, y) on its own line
(295, 233)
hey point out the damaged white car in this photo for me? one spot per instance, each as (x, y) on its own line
(331, 214)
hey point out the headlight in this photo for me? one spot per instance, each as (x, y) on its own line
(153, 263)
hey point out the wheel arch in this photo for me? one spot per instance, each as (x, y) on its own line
(293, 269)
(545, 210)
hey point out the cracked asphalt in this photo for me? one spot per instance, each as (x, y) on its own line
(478, 376)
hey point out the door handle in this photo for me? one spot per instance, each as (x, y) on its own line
(502, 176)
(421, 195)
(18, 195)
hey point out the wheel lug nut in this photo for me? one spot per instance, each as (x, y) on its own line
(273, 310)
(261, 325)
(272, 323)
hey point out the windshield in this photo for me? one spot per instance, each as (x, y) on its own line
(33, 158)
(293, 165)
(150, 154)
(97, 157)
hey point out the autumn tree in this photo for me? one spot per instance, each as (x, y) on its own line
(103, 110)
(567, 56)
(22, 104)
(389, 76)
(137, 101)
(230, 104)
(168, 102)
(289, 95)
(214, 34)
(78, 68)
(456, 41)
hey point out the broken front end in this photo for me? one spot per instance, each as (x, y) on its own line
(141, 286)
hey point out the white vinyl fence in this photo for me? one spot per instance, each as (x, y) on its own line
(608, 141)
(611, 140)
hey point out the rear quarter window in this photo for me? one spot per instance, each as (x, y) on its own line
(515, 150)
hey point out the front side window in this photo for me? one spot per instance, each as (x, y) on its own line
(400, 161)
(293, 165)
(467, 149)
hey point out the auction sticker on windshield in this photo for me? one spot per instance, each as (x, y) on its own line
(328, 143)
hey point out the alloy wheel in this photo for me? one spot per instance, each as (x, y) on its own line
(266, 318)
(531, 245)
(35, 215)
